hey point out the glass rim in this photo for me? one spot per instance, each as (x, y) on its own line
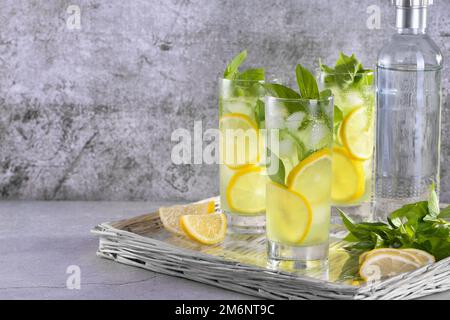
(240, 80)
(272, 98)
(366, 72)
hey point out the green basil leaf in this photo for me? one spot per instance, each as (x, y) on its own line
(325, 94)
(346, 69)
(395, 222)
(279, 91)
(338, 114)
(433, 205)
(445, 213)
(279, 176)
(325, 68)
(260, 112)
(411, 213)
(251, 75)
(306, 83)
(350, 238)
(359, 233)
(350, 269)
(233, 67)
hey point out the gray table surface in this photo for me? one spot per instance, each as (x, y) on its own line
(40, 240)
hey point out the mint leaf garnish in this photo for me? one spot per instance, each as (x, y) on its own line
(260, 112)
(445, 213)
(338, 115)
(346, 69)
(279, 176)
(251, 75)
(433, 205)
(347, 64)
(347, 72)
(232, 69)
(325, 68)
(325, 94)
(306, 83)
(279, 91)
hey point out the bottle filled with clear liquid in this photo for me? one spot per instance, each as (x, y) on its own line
(408, 112)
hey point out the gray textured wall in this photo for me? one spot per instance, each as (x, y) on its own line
(87, 114)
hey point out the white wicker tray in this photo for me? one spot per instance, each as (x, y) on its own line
(240, 264)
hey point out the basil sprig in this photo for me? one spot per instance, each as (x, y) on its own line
(420, 225)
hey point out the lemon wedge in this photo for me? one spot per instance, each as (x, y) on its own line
(357, 134)
(289, 215)
(170, 216)
(206, 229)
(348, 183)
(383, 264)
(246, 191)
(312, 177)
(239, 141)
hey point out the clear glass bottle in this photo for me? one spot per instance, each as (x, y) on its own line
(408, 111)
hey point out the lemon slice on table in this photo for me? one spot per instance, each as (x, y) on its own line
(423, 256)
(312, 177)
(399, 252)
(289, 215)
(246, 191)
(206, 229)
(348, 182)
(357, 134)
(239, 143)
(381, 265)
(170, 216)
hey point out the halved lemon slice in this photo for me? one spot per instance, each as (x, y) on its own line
(312, 177)
(239, 141)
(348, 177)
(399, 252)
(423, 256)
(170, 216)
(381, 265)
(357, 134)
(289, 215)
(246, 191)
(206, 228)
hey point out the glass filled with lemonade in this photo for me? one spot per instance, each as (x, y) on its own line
(298, 188)
(242, 178)
(354, 135)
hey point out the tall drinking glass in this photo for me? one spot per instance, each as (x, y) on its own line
(298, 188)
(242, 178)
(354, 137)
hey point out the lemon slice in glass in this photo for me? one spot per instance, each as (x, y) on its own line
(289, 215)
(239, 141)
(246, 191)
(312, 177)
(357, 134)
(348, 182)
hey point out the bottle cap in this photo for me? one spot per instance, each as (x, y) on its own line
(412, 3)
(412, 14)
